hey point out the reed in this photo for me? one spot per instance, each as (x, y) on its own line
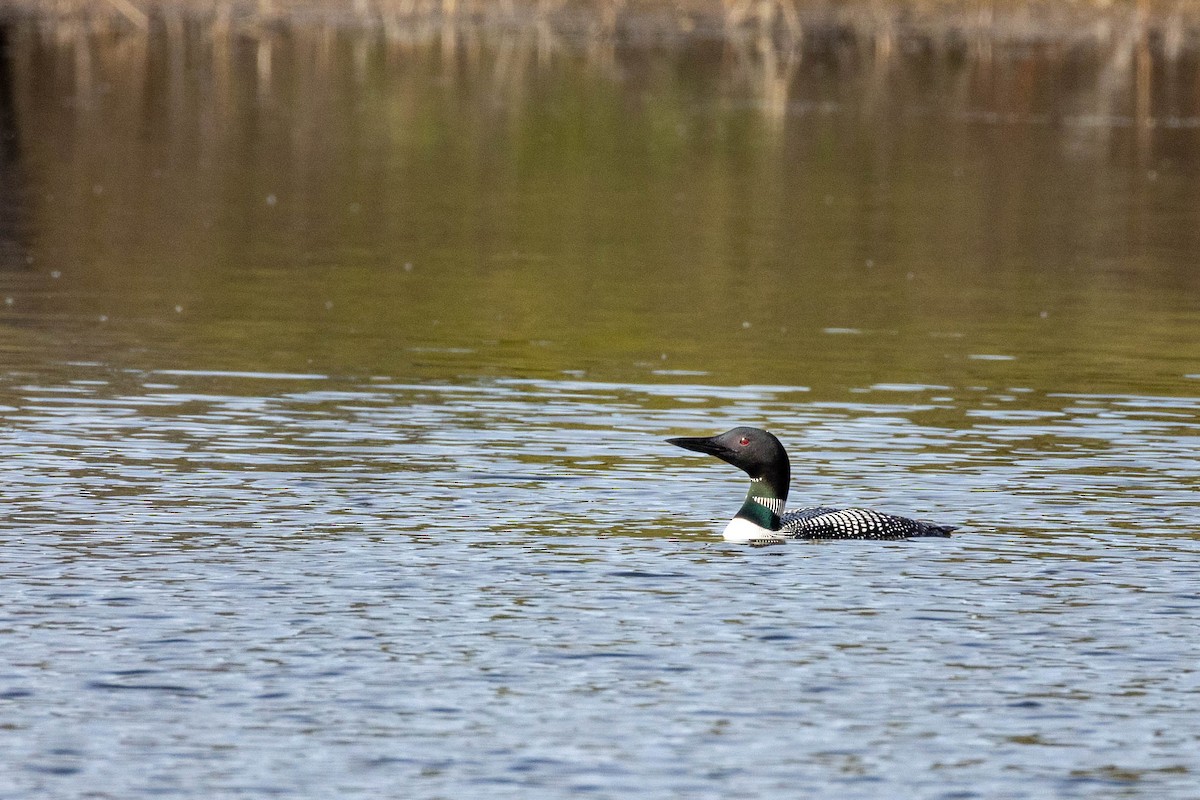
(761, 43)
(1172, 20)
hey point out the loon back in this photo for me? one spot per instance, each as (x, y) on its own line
(820, 522)
(761, 519)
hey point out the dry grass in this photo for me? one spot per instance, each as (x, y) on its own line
(1177, 20)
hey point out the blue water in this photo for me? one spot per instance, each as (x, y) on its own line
(253, 585)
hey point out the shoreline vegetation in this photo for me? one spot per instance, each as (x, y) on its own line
(1089, 64)
(1167, 26)
(1102, 62)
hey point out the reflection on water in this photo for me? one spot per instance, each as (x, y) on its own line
(335, 366)
(377, 204)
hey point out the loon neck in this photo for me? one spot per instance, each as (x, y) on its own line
(764, 504)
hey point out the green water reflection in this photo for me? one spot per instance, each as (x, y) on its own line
(339, 202)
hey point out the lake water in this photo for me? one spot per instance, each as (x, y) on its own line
(335, 368)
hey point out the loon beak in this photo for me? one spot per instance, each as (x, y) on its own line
(702, 444)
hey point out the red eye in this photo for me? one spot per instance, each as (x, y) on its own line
(744, 441)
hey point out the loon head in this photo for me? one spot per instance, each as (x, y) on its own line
(762, 457)
(752, 450)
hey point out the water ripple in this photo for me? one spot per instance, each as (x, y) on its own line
(516, 586)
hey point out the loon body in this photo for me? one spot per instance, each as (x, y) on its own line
(762, 520)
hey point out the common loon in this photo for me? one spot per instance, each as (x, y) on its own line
(761, 519)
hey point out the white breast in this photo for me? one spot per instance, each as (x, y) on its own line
(744, 531)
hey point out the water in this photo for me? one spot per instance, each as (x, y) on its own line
(333, 405)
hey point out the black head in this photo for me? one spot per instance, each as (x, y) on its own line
(756, 452)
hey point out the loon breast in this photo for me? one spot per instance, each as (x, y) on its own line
(743, 531)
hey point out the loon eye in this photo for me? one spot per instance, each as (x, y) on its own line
(744, 441)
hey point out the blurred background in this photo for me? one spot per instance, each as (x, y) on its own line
(602, 187)
(338, 341)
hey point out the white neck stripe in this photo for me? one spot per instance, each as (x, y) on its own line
(772, 504)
